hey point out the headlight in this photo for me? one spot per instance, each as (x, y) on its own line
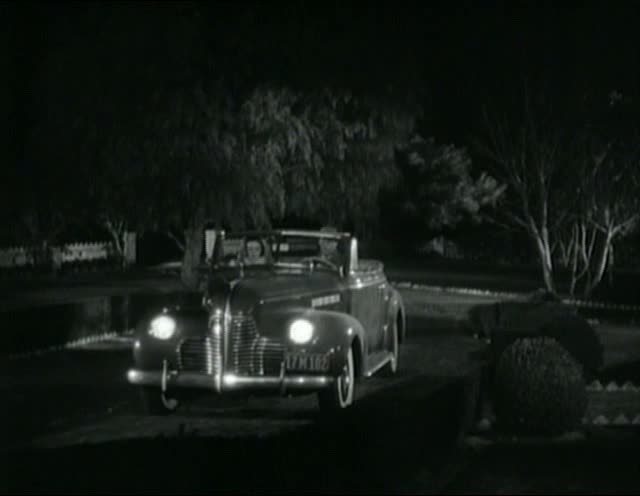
(301, 331)
(162, 327)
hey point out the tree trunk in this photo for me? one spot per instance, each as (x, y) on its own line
(600, 262)
(544, 252)
(575, 256)
(194, 239)
(610, 264)
(117, 234)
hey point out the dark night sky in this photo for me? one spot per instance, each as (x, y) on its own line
(465, 56)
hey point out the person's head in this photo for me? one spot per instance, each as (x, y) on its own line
(328, 247)
(254, 249)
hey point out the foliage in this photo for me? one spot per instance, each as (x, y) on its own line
(579, 338)
(539, 388)
(159, 129)
(271, 146)
(249, 160)
(436, 189)
(370, 126)
(323, 154)
(541, 314)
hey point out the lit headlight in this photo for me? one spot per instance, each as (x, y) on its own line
(301, 331)
(162, 327)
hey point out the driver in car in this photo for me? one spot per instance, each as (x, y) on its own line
(254, 252)
(329, 248)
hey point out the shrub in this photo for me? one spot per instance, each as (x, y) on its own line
(579, 338)
(507, 321)
(539, 388)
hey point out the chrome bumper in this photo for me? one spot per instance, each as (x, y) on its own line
(228, 382)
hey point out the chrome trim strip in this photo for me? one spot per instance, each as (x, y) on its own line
(163, 383)
(226, 329)
(219, 355)
(283, 386)
(284, 232)
(295, 296)
(312, 234)
(231, 382)
(274, 299)
(379, 366)
(358, 284)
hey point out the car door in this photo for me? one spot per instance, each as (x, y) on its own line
(366, 291)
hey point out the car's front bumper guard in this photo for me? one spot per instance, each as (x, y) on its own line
(227, 382)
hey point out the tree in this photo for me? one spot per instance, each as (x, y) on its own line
(161, 129)
(525, 154)
(149, 149)
(193, 180)
(572, 186)
(118, 189)
(437, 190)
(274, 152)
(38, 200)
(607, 208)
(371, 126)
(318, 153)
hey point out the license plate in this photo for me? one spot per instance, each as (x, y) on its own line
(306, 362)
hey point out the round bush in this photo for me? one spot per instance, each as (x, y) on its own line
(539, 388)
(507, 321)
(579, 338)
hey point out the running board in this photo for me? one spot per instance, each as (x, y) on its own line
(385, 360)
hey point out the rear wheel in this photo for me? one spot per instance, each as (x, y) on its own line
(156, 402)
(341, 394)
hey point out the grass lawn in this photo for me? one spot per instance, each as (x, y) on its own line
(502, 277)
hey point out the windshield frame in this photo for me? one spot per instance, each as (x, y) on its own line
(273, 257)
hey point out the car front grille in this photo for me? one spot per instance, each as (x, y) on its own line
(249, 353)
(200, 355)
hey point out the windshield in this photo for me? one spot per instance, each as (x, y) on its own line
(276, 249)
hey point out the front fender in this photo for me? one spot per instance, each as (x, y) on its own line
(334, 332)
(148, 352)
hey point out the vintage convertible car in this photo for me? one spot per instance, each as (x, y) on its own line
(283, 312)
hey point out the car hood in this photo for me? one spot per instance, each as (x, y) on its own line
(259, 286)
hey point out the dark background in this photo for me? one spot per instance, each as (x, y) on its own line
(465, 56)
(460, 58)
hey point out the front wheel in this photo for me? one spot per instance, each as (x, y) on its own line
(157, 403)
(340, 395)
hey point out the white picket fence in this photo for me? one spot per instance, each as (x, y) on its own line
(85, 252)
(22, 256)
(16, 257)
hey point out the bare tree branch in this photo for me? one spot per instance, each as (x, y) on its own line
(621, 228)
